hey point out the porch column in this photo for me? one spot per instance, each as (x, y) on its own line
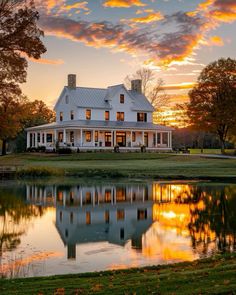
(45, 138)
(93, 138)
(55, 136)
(131, 138)
(170, 136)
(28, 139)
(81, 137)
(156, 139)
(64, 136)
(36, 139)
(161, 138)
(143, 137)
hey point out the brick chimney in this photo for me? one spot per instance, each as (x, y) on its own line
(136, 85)
(72, 81)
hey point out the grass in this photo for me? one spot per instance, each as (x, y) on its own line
(153, 165)
(211, 151)
(207, 276)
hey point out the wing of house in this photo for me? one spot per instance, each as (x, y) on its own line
(96, 118)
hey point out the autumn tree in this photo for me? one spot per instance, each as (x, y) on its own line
(212, 105)
(152, 87)
(19, 38)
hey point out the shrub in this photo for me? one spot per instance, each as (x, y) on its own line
(65, 150)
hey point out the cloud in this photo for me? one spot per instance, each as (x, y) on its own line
(123, 3)
(179, 86)
(149, 18)
(45, 61)
(216, 41)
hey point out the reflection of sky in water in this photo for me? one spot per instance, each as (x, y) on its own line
(71, 229)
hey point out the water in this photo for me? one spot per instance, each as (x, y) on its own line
(56, 227)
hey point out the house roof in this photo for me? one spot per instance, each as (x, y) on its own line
(100, 97)
(102, 125)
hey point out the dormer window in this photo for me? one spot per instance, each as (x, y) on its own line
(122, 98)
(88, 114)
(72, 115)
(67, 99)
(61, 116)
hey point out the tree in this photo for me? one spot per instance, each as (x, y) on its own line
(212, 105)
(151, 87)
(19, 38)
(12, 111)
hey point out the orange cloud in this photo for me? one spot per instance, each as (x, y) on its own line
(216, 40)
(123, 3)
(149, 18)
(46, 61)
(180, 86)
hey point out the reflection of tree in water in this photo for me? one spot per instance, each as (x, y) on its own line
(215, 221)
(14, 217)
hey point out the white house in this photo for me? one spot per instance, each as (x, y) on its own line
(96, 118)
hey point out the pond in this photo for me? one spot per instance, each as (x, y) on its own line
(74, 226)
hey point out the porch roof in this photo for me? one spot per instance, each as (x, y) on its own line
(100, 125)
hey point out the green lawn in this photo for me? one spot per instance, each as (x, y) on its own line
(123, 165)
(209, 276)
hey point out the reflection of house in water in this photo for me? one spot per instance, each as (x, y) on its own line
(110, 213)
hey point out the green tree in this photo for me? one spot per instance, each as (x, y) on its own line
(19, 38)
(212, 105)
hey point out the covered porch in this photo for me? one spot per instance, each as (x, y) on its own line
(100, 139)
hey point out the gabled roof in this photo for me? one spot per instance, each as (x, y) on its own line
(86, 97)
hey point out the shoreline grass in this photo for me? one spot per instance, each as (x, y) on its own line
(214, 275)
(123, 165)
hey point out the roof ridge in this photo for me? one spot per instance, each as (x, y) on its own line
(89, 87)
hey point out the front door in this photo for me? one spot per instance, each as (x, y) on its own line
(108, 139)
(121, 139)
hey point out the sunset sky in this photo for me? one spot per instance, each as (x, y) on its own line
(102, 41)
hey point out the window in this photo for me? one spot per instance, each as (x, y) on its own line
(67, 99)
(122, 98)
(38, 137)
(72, 137)
(61, 116)
(71, 217)
(158, 138)
(122, 233)
(88, 218)
(133, 136)
(43, 138)
(49, 137)
(141, 117)
(121, 194)
(165, 138)
(72, 115)
(120, 116)
(107, 216)
(60, 136)
(141, 214)
(60, 216)
(96, 136)
(88, 114)
(88, 198)
(120, 214)
(88, 136)
(107, 196)
(107, 115)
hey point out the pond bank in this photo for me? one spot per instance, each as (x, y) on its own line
(208, 276)
(110, 165)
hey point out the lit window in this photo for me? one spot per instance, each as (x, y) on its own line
(142, 214)
(120, 116)
(120, 214)
(72, 137)
(107, 216)
(88, 218)
(107, 196)
(61, 116)
(88, 136)
(60, 136)
(88, 198)
(72, 115)
(142, 117)
(133, 136)
(122, 98)
(88, 114)
(107, 115)
(96, 136)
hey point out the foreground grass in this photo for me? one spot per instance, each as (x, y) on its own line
(123, 165)
(208, 276)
